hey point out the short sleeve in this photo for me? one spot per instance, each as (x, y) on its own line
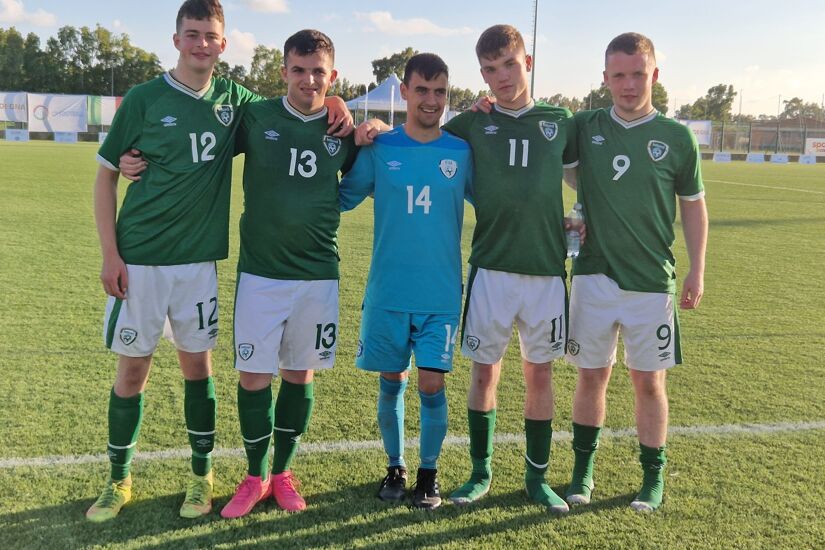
(125, 132)
(359, 182)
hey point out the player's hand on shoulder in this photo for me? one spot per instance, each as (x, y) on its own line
(484, 104)
(132, 164)
(692, 291)
(367, 131)
(114, 276)
(340, 119)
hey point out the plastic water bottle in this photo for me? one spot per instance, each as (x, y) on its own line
(575, 219)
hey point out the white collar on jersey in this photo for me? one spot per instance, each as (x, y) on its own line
(181, 87)
(298, 114)
(633, 123)
(514, 113)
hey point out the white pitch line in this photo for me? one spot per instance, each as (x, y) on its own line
(450, 440)
(768, 186)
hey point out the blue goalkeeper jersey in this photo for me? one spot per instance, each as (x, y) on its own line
(419, 191)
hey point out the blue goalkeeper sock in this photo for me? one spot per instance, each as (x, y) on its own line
(391, 418)
(433, 426)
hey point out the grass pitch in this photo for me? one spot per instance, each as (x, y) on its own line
(753, 355)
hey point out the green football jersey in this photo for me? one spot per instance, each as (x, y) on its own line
(291, 215)
(630, 174)
(178, 212)
(519, 158)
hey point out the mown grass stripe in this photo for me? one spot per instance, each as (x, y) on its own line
(776, 187)
(451, 440)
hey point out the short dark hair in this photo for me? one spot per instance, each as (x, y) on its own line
(631, 43)
(200, 10)
(428, 65)
(307, 42)
(496, 39)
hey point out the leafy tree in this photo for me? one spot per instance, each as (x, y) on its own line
(660, 98)
(715, 105)
(796, 108)
(12, 49)
(561, 100)
(598, 98)
(265, 72)
(463, 99)
(384, 67)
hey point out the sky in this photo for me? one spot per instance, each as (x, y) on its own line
(769, 52)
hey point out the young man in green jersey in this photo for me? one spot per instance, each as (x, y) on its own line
(634, 164)
(286, 304)
(159, 257)
(517, 271)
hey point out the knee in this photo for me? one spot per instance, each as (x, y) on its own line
(593, 379)
(430, 383)
(649, 385)
(301, 377)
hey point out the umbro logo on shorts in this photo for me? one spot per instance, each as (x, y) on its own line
(556, 346)
(473, 342)
(213, 333)
(664, 356)
(128, 335)
(326, 354)
(360, 351)
(245, 351)
(573, 347)
(445, 357)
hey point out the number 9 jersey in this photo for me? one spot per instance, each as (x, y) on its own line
(630, 174)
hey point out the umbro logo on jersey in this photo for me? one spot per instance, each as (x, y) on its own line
(245, 351)
(394, 165)
(597, 140)
(490, 130)
(657, 149)
(169, 121)
(128, 335)
(271, 135)
(332, 145)
(549, 129)
(225, 114)
(448, 167)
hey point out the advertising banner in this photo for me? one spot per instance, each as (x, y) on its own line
(57, 113)
(13, 107)
(17, 135)
(702, 129)
(815, 146)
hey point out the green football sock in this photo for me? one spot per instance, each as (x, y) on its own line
(256, 413)
(482, 428)
(125, 415)
(199, 406)
(292, 413)
(539, 434)
(653, 462)
(585, 443)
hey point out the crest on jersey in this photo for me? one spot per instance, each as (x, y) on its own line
(472, 343)
(332, 144)
(448, 167)
(128, 335)
(549, 129)
(245, 351)
(225, 114)
(657, 149)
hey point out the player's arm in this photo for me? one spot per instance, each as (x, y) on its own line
(132, 164)
(359, 182)
(113, 274)
(695, 224)
(367, 131)
(339, 119)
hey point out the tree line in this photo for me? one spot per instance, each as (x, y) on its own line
(100, 62)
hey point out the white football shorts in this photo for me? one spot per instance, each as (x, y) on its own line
(600, 310)
(496, 299)
(285, 324)
(186, 294)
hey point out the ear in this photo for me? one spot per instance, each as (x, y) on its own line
(404, 91)
(283, 72)
(223, 44)
(528, 62)
(604, 77)
(176, 41)
(655, 75)
(333, 75)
